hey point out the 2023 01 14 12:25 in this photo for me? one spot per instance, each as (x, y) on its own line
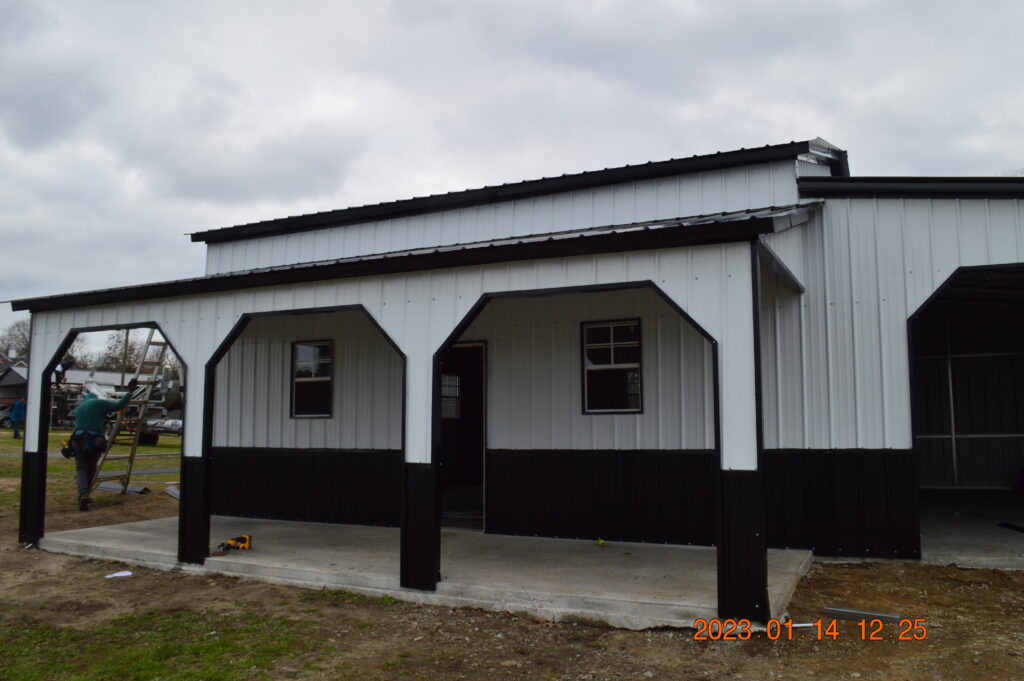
(786, 630)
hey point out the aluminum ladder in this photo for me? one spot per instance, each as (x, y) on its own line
(147, 373)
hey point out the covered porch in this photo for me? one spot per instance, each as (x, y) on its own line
(623, 584)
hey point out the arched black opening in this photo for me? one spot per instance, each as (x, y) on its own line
(219, 466)
(425, 572)
(33, 489)
(966, 348)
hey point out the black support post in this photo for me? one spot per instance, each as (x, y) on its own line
(194, 511)
(742, 548)
(33, 497)
(421, 529)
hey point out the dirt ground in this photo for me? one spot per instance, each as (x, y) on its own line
(974, 620)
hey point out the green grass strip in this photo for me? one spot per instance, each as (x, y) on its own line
(169, 646)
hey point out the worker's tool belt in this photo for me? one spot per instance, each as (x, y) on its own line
(86, 442)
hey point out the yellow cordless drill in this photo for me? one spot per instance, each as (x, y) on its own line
(242, 543)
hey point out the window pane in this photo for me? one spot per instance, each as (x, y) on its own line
(611, 389)
(596, 334)
(313, 398)
(305, 353)
(597, 356)
(313, 352)
(627, 355)
(633, 382)
(449, 385)
(312, 370)
(627, 333)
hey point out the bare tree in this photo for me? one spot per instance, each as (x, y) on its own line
(16, 339)
(15, 342)
(123, 352)
(174, 364)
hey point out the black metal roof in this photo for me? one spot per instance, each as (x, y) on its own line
(688, 231)
(912, 187)
(518, 190)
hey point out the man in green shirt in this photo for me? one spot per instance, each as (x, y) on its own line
(87, 440)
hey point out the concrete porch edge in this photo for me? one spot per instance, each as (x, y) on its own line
(630, 586)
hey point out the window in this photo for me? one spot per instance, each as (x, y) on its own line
(611, 367)
(312, 379)
(451, 404)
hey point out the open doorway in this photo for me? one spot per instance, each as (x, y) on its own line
(967, 390)
(461, 461)
(141, 444)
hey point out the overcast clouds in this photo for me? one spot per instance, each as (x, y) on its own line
(125, 125)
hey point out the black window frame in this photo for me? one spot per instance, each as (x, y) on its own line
(639, 364)
(329, 379)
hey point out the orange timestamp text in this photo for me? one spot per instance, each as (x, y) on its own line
(818, 630)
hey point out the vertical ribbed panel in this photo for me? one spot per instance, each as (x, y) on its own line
(534, 385)
(809, 169)
(867, 265)
(702, 193)
(254, 384)
(418, 310)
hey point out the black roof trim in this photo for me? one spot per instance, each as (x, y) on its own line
(520, 190)
(582, 244)
(913, 187)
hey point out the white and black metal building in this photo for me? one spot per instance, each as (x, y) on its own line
(747, 349)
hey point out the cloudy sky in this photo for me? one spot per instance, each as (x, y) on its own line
(125, 125)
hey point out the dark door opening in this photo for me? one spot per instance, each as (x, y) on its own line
(461, 465)
(967, 397)
(968, 394)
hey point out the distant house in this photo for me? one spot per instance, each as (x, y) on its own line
(747, 349)
(13, 383)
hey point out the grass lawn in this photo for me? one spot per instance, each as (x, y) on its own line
(153, 645)
(62, 620)
(61, 486)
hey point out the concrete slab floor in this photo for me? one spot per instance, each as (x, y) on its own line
(635, 586)
(962, 527)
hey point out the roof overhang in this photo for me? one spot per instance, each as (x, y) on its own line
(912, 187)
(691, 231)
(11, 377)
(817, 150)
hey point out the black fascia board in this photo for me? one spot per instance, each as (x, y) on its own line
(505, 192)
(698, 235)
(912, 187)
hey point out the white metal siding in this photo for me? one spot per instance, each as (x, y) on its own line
(701, 193)
(534, 391)
(252, 407)
(809, 169)
(868, 264)
(418, 310)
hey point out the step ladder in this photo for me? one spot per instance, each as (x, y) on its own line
(148, 375)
